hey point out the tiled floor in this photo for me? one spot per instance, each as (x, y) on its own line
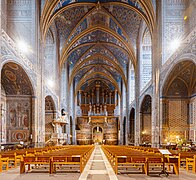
(97, 168)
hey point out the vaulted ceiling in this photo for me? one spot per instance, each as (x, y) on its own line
(98, 39)
(181, 81)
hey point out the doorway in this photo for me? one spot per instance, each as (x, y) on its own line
(97, 135)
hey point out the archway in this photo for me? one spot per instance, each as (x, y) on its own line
(178, 102)
(17, 105)
(146, 120)
(132, 126)
(49, 117)
(97, 135)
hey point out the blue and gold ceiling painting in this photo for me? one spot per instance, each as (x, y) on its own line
(99, 38)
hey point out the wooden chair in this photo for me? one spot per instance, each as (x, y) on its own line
(183, 156)
(191, 162)
(4, 161)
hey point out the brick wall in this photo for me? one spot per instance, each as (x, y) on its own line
(177, 114)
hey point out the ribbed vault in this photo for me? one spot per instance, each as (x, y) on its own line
(98, 39)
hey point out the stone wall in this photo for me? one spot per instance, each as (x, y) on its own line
(21, 23)
(3, 14)
(173, 24)
(178, 119)
(51, 64)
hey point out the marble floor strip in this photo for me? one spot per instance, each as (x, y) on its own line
(98, 166)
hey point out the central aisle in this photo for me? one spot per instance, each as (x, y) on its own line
(98, 167)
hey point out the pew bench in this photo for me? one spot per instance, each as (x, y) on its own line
(70, 157)
(39, 160)
(66, 161)
(130, 162)
(153, 162)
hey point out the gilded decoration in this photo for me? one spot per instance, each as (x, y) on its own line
(98, 36)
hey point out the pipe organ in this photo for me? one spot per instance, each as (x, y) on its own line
(98, 101)
(97, 123)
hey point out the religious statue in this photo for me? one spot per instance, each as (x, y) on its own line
(64, 117)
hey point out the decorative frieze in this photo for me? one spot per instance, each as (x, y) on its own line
(9, 48)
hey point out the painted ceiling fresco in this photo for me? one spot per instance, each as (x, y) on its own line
(181, 81)
(15, 80)
(63, 3)
(98, 37)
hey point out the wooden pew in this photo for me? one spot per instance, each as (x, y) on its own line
(130, 162)
(173, 161)
(40, 160)
(72, 155)
(153, 162)
(69, 161)
(124, 156)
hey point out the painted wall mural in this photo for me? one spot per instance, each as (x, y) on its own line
(18, 118)
(17, 103)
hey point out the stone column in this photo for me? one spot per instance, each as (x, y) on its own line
(72, 113)
(64, 87)
(139, 124)
(40, 99)
(129, 101)
(0, 83)
(122, 115)
(137, 107)
(65, 94)
(73, 104)
(156, 63)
